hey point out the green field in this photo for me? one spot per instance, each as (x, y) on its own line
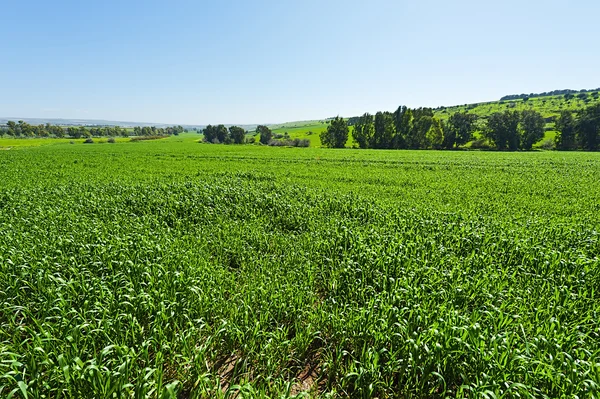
(175, 269)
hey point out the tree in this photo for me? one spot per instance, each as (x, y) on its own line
(418, 134)
(73, 132)
(384, 130)
(210, 133)
(265, 134)
(363, 131)
(588, 127)
(26, 129)
(532, 128)
(435, 135)
(403, 123)
(222, 134)
(12, 128)
(237, 134)
(55, 130)
(565, 124)
(459, 129)
(336, 134)
(503, 129)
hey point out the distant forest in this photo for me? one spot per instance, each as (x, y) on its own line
(24, 129)
(547, 93)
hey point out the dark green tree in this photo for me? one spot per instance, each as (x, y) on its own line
(210, 133)
(265, 134)
(237, 134)
(384, 130)
(418, 135)
(566, 127)
(222, 134)
(435, 135)
(363, 131)
(459, 129)
(12, 128)
(503, 129)
(336, 134)
(532, 128)
(73, 132)
(403, 123)
(588, 127)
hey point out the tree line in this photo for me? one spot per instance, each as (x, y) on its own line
(579, 130)
(221, 134)
(236, 135)
(24, 129)
(567, 92)
(408, 128)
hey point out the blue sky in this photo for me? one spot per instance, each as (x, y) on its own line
(228, 61)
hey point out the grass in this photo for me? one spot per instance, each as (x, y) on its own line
(176, 269)
(549, 106)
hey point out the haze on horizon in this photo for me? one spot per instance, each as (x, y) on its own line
(232, 61)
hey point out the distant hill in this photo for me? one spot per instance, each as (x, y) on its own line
(103, 122)
(84, 122)
(546, 94)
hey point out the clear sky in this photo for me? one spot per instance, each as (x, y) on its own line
(233, 61)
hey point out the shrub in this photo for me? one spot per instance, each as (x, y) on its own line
(111, 140)
(547, 144)
(142, 138)
(88, 141)
(290, 143)
(481, 144)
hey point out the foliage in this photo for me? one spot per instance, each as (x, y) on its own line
(565, 139)
(503, 130)
(532, 128)
(588, 127)
(364, 131)
(580, 132)
(24, 129)
(237, 134)
(336, 134)
(566, 92)
(265, 134)
(384, 130)
(459, 129)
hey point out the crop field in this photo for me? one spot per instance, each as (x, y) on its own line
(172, 269)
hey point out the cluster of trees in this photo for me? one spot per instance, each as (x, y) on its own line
(157, 131)
(418, 129)
(514, 130)
(24, 129)
(403, 129)
(566, 92)
(236, 135)
(580, 130)
(221, 134)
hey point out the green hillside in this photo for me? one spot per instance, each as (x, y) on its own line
(549, 106)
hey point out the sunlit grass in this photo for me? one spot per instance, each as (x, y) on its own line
(176, 269)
